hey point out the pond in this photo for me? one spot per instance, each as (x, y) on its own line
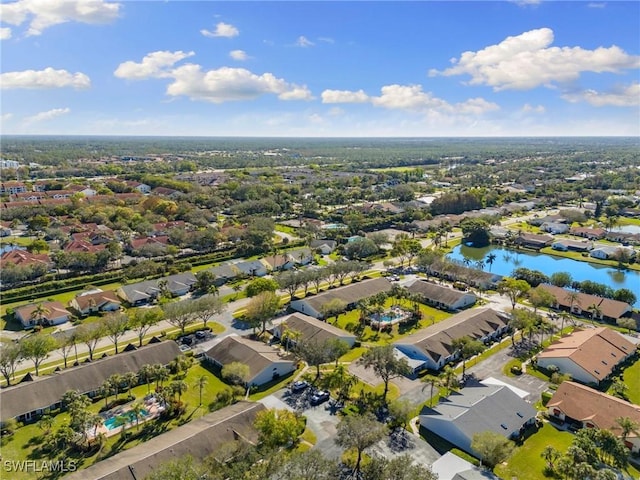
(507, 261)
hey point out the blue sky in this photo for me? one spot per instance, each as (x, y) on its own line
(507, 68)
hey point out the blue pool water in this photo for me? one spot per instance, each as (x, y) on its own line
(114, 422)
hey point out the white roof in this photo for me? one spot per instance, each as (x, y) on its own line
(494, 381)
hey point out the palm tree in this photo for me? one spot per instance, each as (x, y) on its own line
(490, 259)
(627, 425)
(434, 382)
(160, 374)
(449, 377)
(116, 381)
(178, 387)
(563, 317)
(39, 314)
(105, 391)
(129, 380)
(572, 297)
(136, 411)
(201, 383)
(595, 311)
(146, 373)
(46, 423)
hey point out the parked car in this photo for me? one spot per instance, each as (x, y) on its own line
(299, 386)
(201, 334)
(187, 340)
(184, 348)
(319, 397)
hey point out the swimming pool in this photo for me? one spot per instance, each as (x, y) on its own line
(396, 315)
(117, 421)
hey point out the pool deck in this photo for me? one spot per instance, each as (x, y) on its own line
(152, 406)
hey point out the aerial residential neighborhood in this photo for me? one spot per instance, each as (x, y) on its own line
(319, 240)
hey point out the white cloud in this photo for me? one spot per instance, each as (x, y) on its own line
(410, 98)
(527, 108)
(42, 14)
(596, 5)
(344, 96)
(526, 3)
(47, 78)
(326, 39)
(48, 115)
(628, 96)
(226, 84)
(155, 64)
(239, 55)
(303, 41)
(527, 61)
(5, 33)
(6, 116)
(222, 30)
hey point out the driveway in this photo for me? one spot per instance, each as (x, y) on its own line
(492, 367)
(368, 375)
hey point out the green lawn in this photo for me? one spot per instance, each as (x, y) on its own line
(632, 380)
(350, 321)
(526, 463)
(25, 442)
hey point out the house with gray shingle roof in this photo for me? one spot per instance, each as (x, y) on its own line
(34, 398)
(350, 294)
(432, 347)
(312, 329)
(476, 409)
(442, 297)
(199, 439)
(141, 293)
(265, 362)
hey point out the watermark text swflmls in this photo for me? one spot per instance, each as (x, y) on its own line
(31, 466)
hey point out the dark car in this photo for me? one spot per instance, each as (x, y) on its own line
(201, 334)
(299, 386)
(188, 340)
(319, 397)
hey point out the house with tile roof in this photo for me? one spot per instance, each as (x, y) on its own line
(95, 302)
(55, 314)
(265, 362)
(23, 257)
(589, 356)
(432, 347)
(585, 407)
(608, 310)
(476, 409)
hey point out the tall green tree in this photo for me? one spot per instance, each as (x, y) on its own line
(359, 432)
(492, 447)
(385, 364)
(37, 348)
(261, 310)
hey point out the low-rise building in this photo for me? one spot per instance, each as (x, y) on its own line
(265, 363)
(432, 347)
(95, 302)
(51, 313)
(442, 297)
(44, 394)
(585, 407)
(310, 329)
(589, 356)
(585, 304)
(141, 293)
(349, 294)
(476, 409)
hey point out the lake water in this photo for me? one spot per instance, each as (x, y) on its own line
(627, 229)
(508, 260)
(8, 248)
